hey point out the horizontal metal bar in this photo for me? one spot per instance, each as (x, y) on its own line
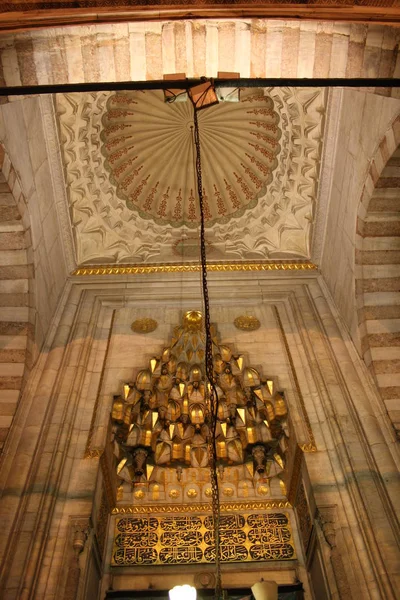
(184, 84)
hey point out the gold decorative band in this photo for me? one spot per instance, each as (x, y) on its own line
(192, 268)
(198, 508)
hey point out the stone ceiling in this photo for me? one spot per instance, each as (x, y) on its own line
(129, 167)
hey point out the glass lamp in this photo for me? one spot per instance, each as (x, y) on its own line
(183, 592)
(265, 590)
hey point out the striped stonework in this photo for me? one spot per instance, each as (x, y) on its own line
(147, 50)
(378, 271)
(15, 301)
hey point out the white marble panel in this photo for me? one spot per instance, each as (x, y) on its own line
(12, 257)
(20, 314)
(11, 369)
(383, 326)
(387, 353)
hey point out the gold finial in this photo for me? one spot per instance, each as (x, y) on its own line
(192, 320)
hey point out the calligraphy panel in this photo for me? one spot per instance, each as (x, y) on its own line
(190, 539)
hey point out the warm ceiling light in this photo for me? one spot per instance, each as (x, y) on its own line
(203, 95)
(183, 592)
(265, 590)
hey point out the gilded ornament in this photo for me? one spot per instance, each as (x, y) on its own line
(198, 508)
(263, 490)
(247, 323)
(193, 268)
(139, 494)
(309, 447)
(144, 325)
(228, 492)
(174, 494)
(208, 492)
(192, 320)
(191, 493)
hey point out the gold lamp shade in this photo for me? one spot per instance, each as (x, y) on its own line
(143, 380)
(251, 377)
(265, 590)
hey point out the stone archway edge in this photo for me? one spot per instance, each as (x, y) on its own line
(148, 50)
(377, 268)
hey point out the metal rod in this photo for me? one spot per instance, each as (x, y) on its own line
(209, 367)
(184, 84)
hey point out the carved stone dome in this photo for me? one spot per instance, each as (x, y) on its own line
(150, 155)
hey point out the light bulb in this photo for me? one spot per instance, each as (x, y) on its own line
(183, 592)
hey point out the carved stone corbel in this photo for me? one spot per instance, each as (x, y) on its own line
(327, 518)
(80, 532)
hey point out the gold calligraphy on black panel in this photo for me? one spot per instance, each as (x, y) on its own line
(137, 524)
(178, 555)
(187, 539)
(270, 537)
(135, 556)
(180, 523)
(181, 538)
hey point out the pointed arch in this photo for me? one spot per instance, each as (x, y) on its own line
(16, 301)
(378, 271)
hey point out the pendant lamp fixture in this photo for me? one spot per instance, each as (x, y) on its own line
(183, 592)
(265, 590)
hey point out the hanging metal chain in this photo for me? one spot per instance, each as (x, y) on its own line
(213, 399)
